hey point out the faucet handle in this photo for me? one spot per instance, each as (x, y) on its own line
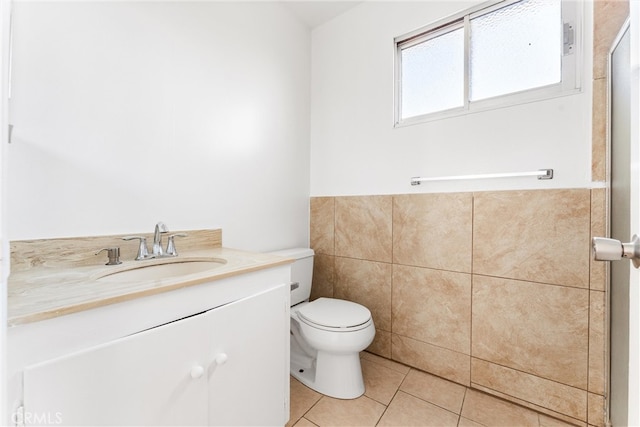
(143, 252)
(171, 246)
(113, 254)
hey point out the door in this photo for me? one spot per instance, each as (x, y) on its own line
(624, 381)
(621, 228)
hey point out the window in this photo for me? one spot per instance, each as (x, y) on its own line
(433, 74)
(507, 53)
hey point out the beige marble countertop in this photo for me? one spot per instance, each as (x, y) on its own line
(47, 292)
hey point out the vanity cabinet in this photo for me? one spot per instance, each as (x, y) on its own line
(143, 379)
(227, 365)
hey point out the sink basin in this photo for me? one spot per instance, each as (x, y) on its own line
(163, 270)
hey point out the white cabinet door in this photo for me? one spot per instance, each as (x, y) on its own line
(249, 370)
(227, 366)
(143, 379)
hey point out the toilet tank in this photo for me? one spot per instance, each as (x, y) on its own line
(301, 272)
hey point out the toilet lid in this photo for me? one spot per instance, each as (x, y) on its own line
(334, 313)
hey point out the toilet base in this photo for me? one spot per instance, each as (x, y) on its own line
(334, 375)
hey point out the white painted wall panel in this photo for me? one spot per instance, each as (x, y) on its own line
(356, 150)
(193, 113)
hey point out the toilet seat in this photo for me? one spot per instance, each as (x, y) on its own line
(335, 315)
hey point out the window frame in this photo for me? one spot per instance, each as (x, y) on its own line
(571, 72)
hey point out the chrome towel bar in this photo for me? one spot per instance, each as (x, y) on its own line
(541, 174)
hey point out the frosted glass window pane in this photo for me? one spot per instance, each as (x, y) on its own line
(433, 75)
(516, 48)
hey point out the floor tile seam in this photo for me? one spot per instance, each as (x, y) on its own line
(394, 393)
(526, 407)
(307, 420)
(310, 408)
(293, 422)
(493, 396)
(384, 411)
(415, 369)
(429, 402)
(441, 378)
(464, 398)
(329, 397)
(538, 413)
(473, 421)
(299, 419)
(532, 374)
(386, 407)
(378, 401)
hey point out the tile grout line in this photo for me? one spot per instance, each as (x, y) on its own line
(386, 407)
(473, 205)
(322, 396)
(393, 202)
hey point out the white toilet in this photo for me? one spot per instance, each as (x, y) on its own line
(327, 335)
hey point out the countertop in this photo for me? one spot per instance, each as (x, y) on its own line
(46, 292)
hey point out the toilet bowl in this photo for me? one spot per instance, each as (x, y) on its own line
(327, 335)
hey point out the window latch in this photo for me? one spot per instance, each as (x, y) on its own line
(568, 38)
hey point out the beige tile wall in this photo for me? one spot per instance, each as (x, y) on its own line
(491, 289)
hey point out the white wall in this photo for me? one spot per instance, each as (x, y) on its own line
(355, 149)
(5, 13)
(127, 113)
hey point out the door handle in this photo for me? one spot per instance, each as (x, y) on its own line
(612, 250)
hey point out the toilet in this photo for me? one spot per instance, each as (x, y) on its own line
(327, 334)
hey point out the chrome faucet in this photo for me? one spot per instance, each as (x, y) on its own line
(157, 251)
(157, 239)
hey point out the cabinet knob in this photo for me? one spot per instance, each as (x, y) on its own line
(197, 371)
(221, 359)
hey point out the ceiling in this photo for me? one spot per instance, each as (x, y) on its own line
(316, 12)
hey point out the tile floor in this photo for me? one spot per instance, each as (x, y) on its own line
(397, 395)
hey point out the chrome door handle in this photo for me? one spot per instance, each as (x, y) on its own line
(612, 250)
